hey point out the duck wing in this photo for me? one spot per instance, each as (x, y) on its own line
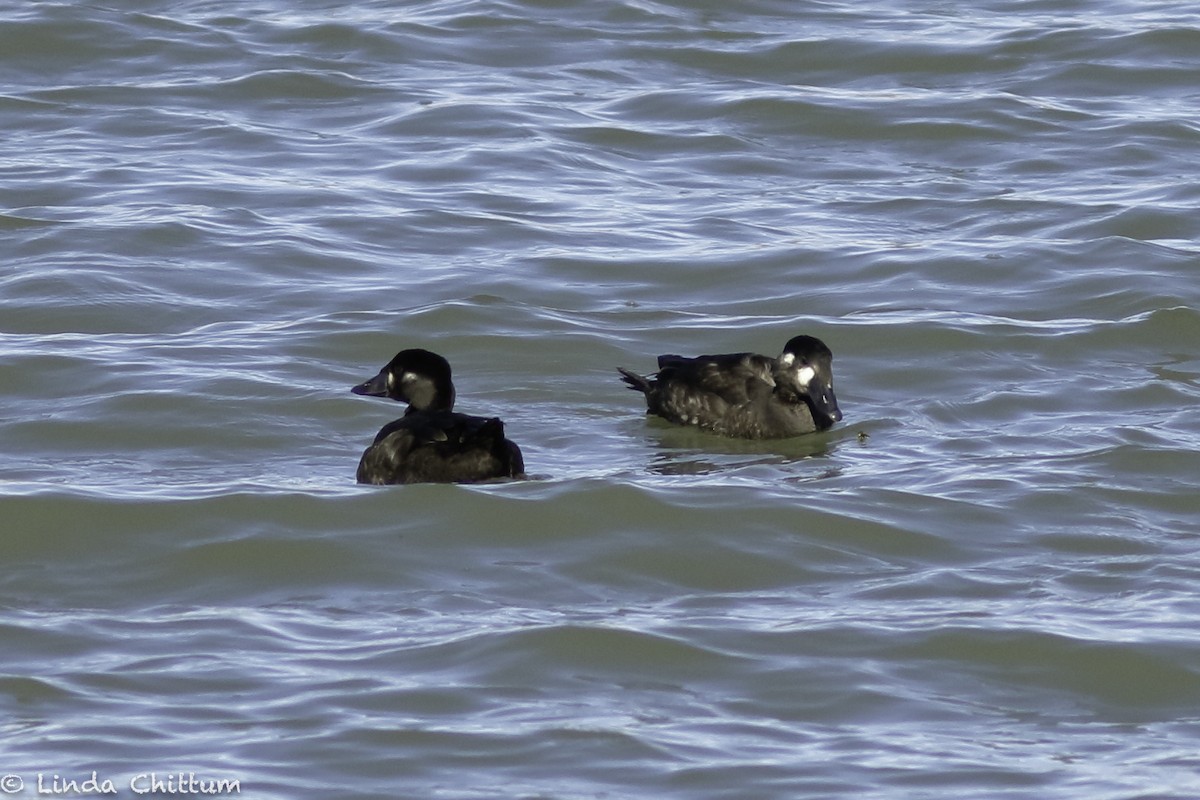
(733, 377)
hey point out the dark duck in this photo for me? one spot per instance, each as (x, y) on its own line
(432, 443)
(745, 395)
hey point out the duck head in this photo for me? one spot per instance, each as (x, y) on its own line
(806, 368)
(417, 377)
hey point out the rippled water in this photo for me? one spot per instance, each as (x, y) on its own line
(219, 217)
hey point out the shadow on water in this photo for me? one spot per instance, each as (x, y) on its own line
(680, 450)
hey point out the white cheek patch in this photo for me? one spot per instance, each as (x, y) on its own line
(408, 377)
(804, 376)
(391, 381)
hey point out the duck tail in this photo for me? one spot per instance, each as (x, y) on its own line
(492, 430)
(636, 382)
(506, 453)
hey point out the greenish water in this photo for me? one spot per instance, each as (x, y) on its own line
(982, 583)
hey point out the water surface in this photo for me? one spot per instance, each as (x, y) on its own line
(982, 583)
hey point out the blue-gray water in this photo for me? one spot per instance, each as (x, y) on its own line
(219, 216)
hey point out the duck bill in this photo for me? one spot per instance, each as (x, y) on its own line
(825, 406)
(376, 387)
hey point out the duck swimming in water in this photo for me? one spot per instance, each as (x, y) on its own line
(745, 395)
(432, 443)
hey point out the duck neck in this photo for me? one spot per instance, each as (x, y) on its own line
(437, 395)
(443, 397)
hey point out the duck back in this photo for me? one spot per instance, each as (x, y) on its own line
(440, 447)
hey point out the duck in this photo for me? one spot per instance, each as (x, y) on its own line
(432, 443)
(745, 395)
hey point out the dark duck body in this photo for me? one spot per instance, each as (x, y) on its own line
(432, 443)
(745, 395)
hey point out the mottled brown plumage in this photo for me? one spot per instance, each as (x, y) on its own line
(745, 395)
